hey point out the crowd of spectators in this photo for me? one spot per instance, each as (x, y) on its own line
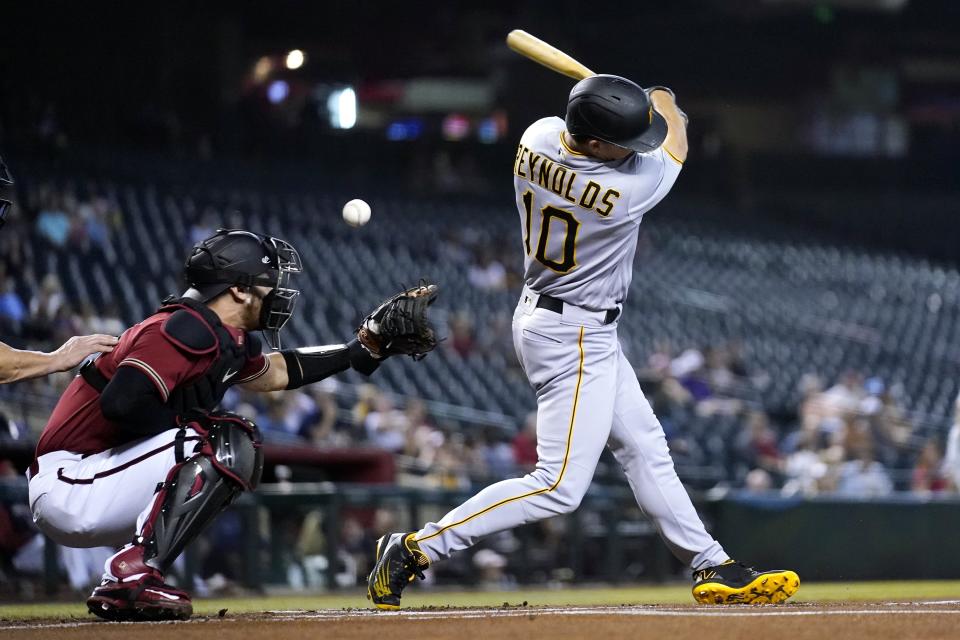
(429, 452)
(848, 437)
(34, 309)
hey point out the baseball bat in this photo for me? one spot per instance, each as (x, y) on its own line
(546, 54)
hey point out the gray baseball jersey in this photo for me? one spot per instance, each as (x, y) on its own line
(579, 219)
(580, 216)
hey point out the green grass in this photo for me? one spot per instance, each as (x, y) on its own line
(415, 597)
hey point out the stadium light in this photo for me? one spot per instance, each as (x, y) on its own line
(278, 91)
(262, 69)
(295, 59)
(342, 105)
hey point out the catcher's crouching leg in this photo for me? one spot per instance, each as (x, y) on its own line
(227, 462)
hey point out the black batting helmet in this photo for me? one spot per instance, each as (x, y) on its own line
(615, 110)
(234, 257)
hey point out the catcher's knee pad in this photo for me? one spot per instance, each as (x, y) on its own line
(234, 445)
(227, 462)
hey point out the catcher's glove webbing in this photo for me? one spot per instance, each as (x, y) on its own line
(400, 326)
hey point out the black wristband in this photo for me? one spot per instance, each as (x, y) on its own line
(313, 364)
(361, 359)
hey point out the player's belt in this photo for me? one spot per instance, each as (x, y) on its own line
(556, 305)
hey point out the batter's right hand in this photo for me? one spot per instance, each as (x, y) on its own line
(77, 348)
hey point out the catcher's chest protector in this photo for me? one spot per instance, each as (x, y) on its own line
(197, 330)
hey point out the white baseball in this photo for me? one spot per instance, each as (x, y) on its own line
(356, 213)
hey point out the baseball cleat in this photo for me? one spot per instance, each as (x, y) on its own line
(398, 561)
(144, 599)
(735, 583)
(132, 590)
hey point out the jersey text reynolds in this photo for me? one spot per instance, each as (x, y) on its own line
(561, 179)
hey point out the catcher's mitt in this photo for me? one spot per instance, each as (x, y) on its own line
(400, 326)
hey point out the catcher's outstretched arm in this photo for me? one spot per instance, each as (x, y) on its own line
(294, 368)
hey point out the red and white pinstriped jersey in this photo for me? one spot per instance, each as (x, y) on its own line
(77, 424)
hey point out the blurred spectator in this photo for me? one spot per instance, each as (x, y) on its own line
(77, 237)
(811, 410)
(658, 362)
(495, 337)
(205, 227)
(719, 374)
(487, 273)
(320, 426)
(97, 224)
(47, 301)
(66, 324)
(845, 396)
(53, 224)
(422, 439)
(758, 481)
(386, 426)
(804, 468)
(461, 334)
(757, 443)
(490, 567)
(366, 396)
(891, 428)
(285, 414)
(863, 476)
(525, 444)
(108, 320)
(951, 458)
(928, 474)
(13, 251)
(497, 454)
(689, 369)
(452, 466)
(272, 419)
(12, 310)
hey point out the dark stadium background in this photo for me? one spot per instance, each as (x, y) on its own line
(794, 310)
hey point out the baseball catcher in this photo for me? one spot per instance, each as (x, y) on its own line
(136, 451)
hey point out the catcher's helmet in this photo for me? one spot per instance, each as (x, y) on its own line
(234, 257)
(6, 180)
(615, 110)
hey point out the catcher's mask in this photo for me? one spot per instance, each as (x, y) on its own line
(234, 257)
(6, 180)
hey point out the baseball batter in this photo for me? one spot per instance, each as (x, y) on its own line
(582, 188)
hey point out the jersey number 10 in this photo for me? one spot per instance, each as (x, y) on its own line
(549, 214)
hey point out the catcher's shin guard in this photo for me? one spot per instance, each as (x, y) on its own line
(227, 462)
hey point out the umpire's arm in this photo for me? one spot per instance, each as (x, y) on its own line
(16, 365)
(293, 368)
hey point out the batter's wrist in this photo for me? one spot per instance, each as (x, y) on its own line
(650, 91)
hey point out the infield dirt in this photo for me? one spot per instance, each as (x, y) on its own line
(797, 622)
